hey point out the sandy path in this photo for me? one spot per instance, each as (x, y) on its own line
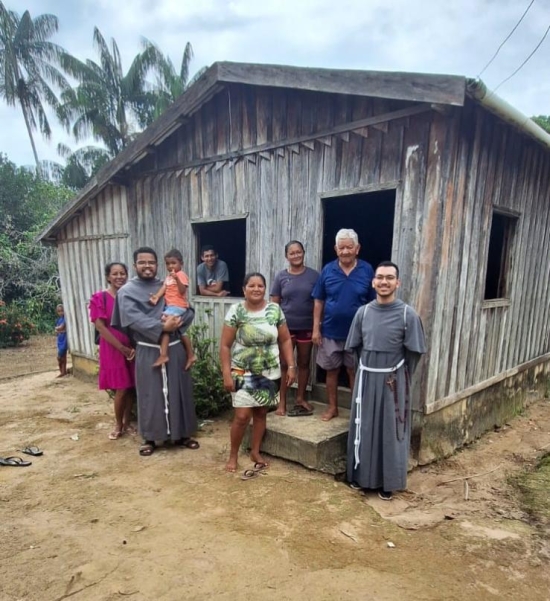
(91, 520)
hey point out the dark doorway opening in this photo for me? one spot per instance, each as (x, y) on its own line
(371, 215)
(228, 237)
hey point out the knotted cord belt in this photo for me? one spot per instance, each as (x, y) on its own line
(358, 399)
(164, 382)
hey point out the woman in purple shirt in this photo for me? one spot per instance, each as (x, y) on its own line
(292, 290)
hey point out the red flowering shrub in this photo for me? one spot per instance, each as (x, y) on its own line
(15, 327)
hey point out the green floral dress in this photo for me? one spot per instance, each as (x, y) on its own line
(255, 365)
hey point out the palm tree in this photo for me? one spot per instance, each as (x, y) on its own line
(28, 68)
(170, 83)
(108, 104)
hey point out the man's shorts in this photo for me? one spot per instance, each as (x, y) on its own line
(174, 310)
(331, 355)
(303, 336)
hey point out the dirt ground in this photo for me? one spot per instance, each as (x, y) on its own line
(91, 520)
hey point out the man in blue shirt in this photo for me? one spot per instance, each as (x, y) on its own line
(344, 285)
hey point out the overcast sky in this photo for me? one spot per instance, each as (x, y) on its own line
(431, 36)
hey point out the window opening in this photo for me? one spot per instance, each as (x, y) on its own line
(228, 237)
(498, 260)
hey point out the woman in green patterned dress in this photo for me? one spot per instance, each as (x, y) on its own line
(253, 336)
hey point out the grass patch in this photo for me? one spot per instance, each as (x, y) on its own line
(534, 487)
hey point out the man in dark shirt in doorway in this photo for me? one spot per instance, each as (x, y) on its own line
(212, 273)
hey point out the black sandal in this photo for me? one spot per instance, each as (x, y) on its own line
(147, 448)
(14, 461)
(188, 443)
(34, 451)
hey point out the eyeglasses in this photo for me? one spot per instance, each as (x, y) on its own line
(388, 278)
(146, 263)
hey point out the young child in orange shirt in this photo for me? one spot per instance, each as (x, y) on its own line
(174, 291)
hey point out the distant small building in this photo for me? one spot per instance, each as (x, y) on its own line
(432, 171)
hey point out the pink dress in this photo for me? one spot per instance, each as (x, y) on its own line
(115, 371)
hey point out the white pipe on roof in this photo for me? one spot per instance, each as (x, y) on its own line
(479, 91)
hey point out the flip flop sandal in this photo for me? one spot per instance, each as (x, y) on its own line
(147, 449)
(260, 467)
(34, 451)
(188, 443)
(299, 411)
(14, 461)
(250, 474)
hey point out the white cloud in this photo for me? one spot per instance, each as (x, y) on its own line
(455, 36)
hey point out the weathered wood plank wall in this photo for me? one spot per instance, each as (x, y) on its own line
(449, 171)
(95, 237)
(488, 164)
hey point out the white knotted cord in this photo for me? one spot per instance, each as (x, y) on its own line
(358, 399)
(164, 382)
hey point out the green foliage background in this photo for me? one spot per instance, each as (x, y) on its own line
(28, 270)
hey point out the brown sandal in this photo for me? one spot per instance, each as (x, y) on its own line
(147, 449)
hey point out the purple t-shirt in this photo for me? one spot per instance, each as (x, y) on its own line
(295, 294)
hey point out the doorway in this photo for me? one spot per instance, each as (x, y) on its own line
(371, 215)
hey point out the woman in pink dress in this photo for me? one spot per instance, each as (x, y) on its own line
(116, 356)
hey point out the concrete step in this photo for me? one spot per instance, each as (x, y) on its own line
(309, 441)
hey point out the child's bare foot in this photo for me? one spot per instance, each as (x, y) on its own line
(258, 461)
(231, 465)
(190, 362)
(329, 414)
(161, 361)
(281, 409)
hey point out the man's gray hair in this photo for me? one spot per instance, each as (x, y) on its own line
(347, 235)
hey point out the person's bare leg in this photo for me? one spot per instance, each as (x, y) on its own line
(238, 426)
(163, 357)
(191, 357)
(120, 408)
(332, 394)
(258, 430)
(127, 419)
(304, 357)
(281, 408)
(62, 364)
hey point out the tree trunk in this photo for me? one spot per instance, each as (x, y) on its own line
(29, 130)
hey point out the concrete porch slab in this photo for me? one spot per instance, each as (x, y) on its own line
(309, 441)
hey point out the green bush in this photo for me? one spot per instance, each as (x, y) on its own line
(210, 396)
(15, 326)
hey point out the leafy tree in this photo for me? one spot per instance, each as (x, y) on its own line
(28, 271)
(107, 103)
(80, 165)
(170, 84)
(543, 121)
(28, 68)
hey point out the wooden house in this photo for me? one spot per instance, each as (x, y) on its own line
(432, 171)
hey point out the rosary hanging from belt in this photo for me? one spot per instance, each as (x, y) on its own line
(391, 382)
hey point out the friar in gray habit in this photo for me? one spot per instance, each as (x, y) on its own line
(166, 410)
(388, 337)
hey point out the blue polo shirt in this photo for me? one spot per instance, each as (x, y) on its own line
(343, 295)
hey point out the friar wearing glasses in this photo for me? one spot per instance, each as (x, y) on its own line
(166, 410)
(388, 337)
